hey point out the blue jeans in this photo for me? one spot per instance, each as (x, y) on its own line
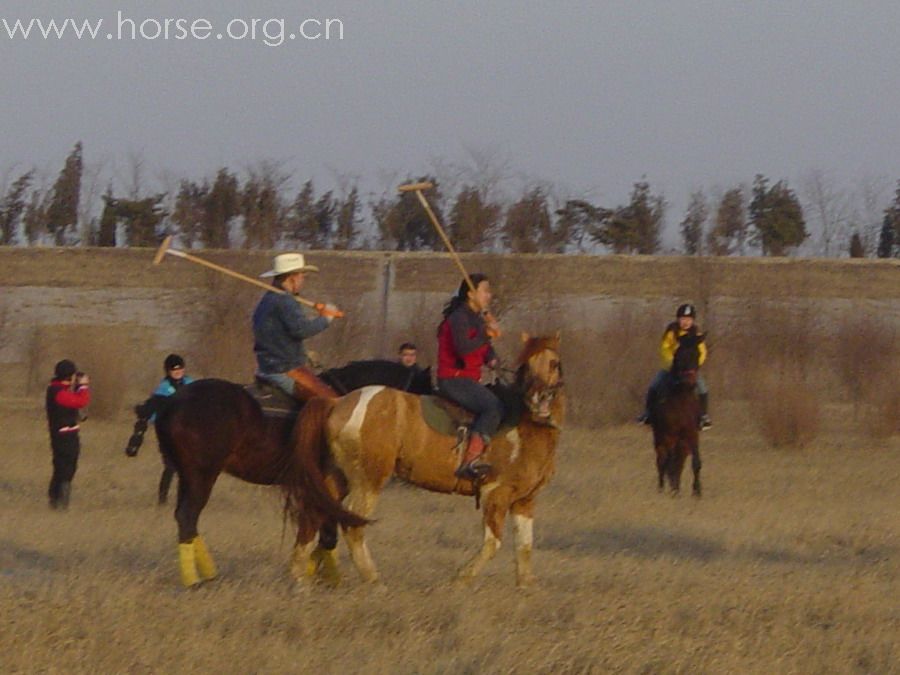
(280, 380)
(478, 399)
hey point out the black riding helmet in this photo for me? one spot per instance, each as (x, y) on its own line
(64, 370)
(686, 310)
(173, 361)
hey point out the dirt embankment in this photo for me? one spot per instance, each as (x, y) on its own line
(117, 314)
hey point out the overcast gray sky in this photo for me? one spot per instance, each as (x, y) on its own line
(587, 95)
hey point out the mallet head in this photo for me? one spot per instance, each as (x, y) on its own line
(413, 187)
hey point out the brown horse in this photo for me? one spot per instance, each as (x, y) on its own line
(213, 426)
(675, 417)
(361, 440)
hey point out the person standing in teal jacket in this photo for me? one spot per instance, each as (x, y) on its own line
(175, 378)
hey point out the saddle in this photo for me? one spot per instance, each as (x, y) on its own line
(273, 401)
(451, 419)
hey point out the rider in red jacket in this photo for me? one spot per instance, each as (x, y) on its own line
(464, 346)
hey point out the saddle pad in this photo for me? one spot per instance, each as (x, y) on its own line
(437, 414)
(273, 401)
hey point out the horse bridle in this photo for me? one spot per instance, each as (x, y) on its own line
(538, 394)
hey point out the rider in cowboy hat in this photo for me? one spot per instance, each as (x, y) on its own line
(683, 324)
(280, 325)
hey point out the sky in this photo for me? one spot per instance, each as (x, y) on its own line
(588, 96)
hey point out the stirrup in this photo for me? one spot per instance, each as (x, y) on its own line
(472, 470)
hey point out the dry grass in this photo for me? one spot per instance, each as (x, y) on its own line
(787, 409)
(615, 366)
(789, 563)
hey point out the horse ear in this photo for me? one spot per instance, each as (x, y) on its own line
(558, 337)
(525, 337)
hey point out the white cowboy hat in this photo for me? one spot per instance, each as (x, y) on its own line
(289, 262)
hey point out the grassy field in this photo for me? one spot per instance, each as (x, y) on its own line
(789, 563)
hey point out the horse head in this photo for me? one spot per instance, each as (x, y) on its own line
(539, 377)
(686, 362)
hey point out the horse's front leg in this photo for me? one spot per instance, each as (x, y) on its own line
(662, 456)
(495, 504)
(194, 560)
(523, 521)
(695, 465)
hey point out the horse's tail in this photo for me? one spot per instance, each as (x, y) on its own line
(306, 488)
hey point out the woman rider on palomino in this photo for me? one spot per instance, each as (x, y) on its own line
(464, 346)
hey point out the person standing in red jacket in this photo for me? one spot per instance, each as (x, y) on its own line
(67, 394)
(464, 346)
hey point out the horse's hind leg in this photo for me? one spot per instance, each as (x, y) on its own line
(361, 502)
(312, 559)
(495, 502)
(323, 562)
(695, 465)
(194, 560)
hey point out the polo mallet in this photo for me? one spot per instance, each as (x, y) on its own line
(418, 188)
(166, 249)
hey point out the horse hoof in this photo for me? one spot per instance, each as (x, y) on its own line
(526, 582)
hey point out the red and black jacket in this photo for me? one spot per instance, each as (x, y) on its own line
(463, 345)
(63, 405)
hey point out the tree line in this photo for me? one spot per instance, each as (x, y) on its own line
(259, 209)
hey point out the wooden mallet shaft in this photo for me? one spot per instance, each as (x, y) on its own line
(417, 188)
(166, 249)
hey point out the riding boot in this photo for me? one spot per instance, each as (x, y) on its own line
(471, 468)
(65, 491)
(648, 407)
(307, 385)
(705, 422)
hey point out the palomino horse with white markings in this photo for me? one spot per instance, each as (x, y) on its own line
(359, 441)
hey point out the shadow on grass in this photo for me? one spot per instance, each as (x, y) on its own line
(641, 542)
(17, 560)
(652, 542)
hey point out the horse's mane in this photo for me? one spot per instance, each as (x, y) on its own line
(535, 345)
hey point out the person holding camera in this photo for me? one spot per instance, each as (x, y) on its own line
(67, 394)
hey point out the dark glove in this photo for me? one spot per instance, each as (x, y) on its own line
(134, 444)
(137, 438)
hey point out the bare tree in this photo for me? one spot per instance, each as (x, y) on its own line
(134, 174)
(869, 198)
(92, 180)
(828, 209)
(693, 223)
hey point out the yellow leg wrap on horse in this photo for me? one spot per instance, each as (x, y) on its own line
(187, 564)
(323, 563)
(205, 565)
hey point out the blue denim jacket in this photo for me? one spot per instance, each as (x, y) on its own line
(279, 327)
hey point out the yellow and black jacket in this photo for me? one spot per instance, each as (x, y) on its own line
(670, 344)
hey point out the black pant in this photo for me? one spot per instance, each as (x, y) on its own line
(66, 447)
